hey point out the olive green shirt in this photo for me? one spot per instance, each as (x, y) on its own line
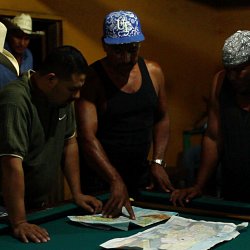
(35, 131)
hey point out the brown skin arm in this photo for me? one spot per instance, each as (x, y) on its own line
(72, 173)
(13, 194)
(210, 147)
(86, 115)
(161, 128)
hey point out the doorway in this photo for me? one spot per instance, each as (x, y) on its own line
(40, 45)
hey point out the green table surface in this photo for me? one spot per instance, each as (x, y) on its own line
(73, 236)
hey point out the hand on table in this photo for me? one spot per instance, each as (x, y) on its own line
(179, 196)
(27, 232)
(160, 176)
(89, 203)
(119, 197)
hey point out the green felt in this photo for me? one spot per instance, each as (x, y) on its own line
(66, 235)
(202, 202)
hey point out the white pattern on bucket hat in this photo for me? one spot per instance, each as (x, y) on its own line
(122, 27)
(236, 49)
(6, 58)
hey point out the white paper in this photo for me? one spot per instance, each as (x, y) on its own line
(179, 233)
(144, 217)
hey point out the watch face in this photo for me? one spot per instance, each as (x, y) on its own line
(160, 162)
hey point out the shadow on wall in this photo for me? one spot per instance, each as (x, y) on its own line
(224, 4)
(92, 14)
(173, 43)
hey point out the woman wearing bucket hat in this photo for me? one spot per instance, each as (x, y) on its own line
(17, 41)
(122, 110)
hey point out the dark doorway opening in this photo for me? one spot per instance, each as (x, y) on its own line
(40, 45)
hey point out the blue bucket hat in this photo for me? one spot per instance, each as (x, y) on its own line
(122, 27)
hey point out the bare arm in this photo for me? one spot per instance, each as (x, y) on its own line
(210, 147)
(86, 115)
(72, 174)
(13, 192)
(212, 138)
(92, 148)
(161, 127)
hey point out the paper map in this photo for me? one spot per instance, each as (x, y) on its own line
(179, 233)
(144, 217)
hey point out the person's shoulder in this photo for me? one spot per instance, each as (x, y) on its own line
(153, 67)
(220, 75)
(28, 52)
(152, 64)
(14, 92)
(95, 73)
(218, 81)
(92, 73)
(95, 62)
(92, 86)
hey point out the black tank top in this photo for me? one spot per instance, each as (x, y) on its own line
(125, 132)
(126, 126)
(235, 124)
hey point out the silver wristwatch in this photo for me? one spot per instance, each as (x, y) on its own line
(160, 162)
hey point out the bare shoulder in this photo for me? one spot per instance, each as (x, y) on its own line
(156, 74)
(153, 67)
(92, 87)
(92, 77)
(217, 82)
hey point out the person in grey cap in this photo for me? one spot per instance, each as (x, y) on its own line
(227, 140)
(121, 111)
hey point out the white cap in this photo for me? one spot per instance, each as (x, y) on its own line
(23, 22)
(6, 58)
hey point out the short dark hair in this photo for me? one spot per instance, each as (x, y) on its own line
(64, 61)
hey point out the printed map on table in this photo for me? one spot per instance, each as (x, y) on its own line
(144, 217)
(179, 233)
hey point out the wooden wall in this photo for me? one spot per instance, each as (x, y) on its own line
(184, 36)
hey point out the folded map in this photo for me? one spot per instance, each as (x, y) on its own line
(144, 217)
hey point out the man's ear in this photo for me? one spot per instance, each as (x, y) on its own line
(51, 79)
(48, 81)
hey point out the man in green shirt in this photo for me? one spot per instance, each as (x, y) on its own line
(38, 136)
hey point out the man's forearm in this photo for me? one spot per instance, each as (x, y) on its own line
(160, 138)
(209, 161)
(13, 190)
(71, 167)
(97, 158)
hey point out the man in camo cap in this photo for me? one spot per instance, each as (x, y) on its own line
(227, 139)
(121, 111)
